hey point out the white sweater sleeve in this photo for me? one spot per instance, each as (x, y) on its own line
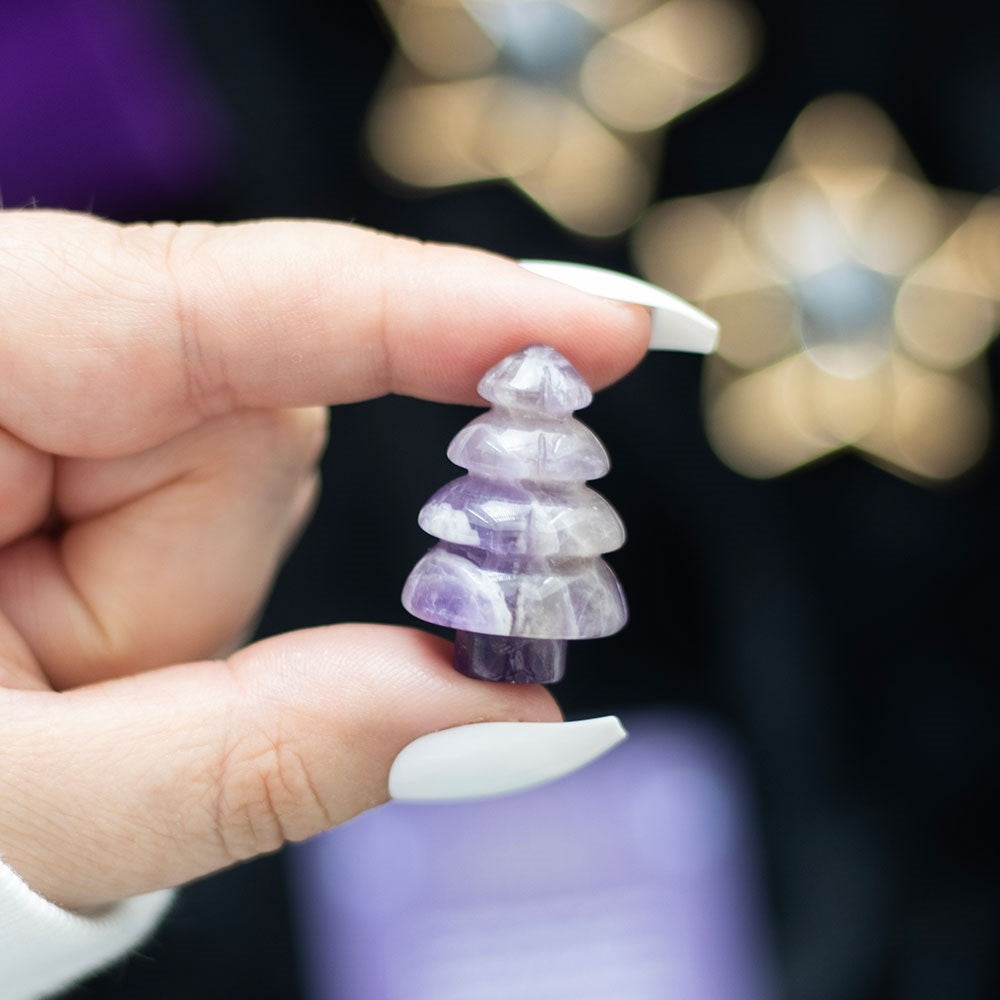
(45, 949)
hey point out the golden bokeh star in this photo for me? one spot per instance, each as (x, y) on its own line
(855, 301)
(563, 98)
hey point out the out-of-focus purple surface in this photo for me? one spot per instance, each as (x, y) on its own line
(102, 107)
(633, 879)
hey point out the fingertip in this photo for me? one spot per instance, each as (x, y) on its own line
(467, 309)
(607, 360)
(602, 338)
(361, 693)
(391, 681)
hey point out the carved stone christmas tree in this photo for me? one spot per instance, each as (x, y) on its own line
(518, 570)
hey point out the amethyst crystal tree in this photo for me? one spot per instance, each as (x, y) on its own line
(518, 570)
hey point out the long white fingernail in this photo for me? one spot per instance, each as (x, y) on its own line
(494, 758)
(677, 325)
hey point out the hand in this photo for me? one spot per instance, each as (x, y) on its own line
(159, 436)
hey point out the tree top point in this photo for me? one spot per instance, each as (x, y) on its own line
(537, 379)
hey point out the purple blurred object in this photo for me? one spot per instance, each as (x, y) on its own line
(102, 107)
(633, 879)
(518, 570)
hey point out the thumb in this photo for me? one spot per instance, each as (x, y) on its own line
(152, 780)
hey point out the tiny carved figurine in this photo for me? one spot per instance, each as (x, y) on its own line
(518, 569)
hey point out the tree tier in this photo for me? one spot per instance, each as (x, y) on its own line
(523, 518)
(539, 380)
(504, 445)
(477, 591)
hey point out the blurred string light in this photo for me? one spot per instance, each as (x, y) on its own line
(855, 302)
(563, 98)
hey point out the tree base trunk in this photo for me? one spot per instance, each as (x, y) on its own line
(510, 658)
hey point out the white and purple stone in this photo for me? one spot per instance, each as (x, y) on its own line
(518, 570)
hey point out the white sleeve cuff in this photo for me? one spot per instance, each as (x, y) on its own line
(44, 948)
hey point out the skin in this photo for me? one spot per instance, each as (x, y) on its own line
(161, 421)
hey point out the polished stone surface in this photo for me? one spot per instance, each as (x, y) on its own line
(513, 445)
(477, 591)
(521, 535)
(510, 658)
(518, 518)
(538, 380)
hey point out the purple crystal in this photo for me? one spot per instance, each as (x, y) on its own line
(518, 570)
(510, 658)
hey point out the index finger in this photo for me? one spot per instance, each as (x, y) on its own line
(113, 338)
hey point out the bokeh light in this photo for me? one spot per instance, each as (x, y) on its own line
(563, 98)
(855, 302)
(636, 877)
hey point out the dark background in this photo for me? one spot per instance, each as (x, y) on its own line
(841, 622)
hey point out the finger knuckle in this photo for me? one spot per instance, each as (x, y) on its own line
(171, 253)
(265, 796)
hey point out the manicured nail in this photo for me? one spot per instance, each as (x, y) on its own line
(677, 325)
(494, 758)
